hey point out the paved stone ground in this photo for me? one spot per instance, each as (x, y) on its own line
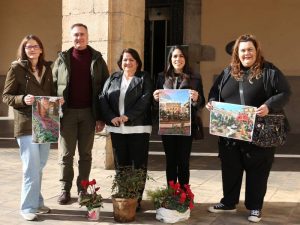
(282, 202)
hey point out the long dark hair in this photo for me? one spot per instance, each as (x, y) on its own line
(134, 55)
(169, 70)
(256, 68)
(21, 54)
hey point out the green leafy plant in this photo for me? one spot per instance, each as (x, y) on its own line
(128, 182)
(90, 198)
(173, 197)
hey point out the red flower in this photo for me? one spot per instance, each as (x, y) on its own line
(91, 198)
(191, 205)
(184, 195)
(177, 187)
(92, 182)
(171, 183)
(188, 191)
(85, 184)
(182, 198)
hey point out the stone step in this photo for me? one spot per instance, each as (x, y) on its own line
(6, 127)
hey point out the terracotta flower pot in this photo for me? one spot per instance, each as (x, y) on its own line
(124, 209)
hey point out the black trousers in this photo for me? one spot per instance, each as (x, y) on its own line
(131, 150)
(237, 157)
(178, 150)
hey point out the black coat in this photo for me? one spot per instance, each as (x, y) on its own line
(275, 85)
(138, 99)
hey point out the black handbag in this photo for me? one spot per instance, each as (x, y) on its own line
(269, 131)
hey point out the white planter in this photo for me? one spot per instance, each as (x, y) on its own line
(93, 214)
(171, 216)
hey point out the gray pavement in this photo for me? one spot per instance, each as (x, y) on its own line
(282, 202)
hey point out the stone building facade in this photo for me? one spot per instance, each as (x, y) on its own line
(150, 26)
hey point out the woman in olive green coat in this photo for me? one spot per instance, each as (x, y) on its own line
(27, 77)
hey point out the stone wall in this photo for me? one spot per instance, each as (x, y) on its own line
(20, 18)
(113, 25)
(274, 23)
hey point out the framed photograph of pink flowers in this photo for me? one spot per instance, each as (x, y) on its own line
(232, 120)
(45, 119)
(174, 112)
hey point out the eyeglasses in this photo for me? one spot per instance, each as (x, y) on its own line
(35, 47)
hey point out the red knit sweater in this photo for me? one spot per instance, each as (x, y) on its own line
(80, 94)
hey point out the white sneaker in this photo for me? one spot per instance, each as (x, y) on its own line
(255, 216)
(29, 216)
(43, 210)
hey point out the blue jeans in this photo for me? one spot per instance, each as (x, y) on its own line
(34, 158)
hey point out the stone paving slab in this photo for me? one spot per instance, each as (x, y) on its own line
(282, 206)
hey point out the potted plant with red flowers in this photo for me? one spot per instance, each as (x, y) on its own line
(91, 199)
(172, 204)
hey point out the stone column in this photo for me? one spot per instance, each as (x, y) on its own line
(125, 28)
(192, 31)
(113, 25)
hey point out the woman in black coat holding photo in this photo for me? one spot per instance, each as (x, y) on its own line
(178, 75)
(264, 87)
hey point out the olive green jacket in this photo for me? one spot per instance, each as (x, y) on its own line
(61, 77)
(20, 82)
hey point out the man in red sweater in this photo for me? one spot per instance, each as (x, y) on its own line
(79, 75)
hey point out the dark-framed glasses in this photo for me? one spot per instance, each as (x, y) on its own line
(35, 47)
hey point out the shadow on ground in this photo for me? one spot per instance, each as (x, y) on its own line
(276, 215)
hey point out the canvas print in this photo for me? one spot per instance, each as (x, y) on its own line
(174, 112)
(232, 120)
(45, 119)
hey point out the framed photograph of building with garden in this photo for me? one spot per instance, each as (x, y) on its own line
(174, 112)
(232, 120)
(45, 119)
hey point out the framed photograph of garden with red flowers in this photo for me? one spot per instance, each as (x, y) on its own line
(232, 120)
(174, 112)
(45, 119)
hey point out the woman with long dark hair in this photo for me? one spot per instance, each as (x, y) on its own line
(178, 75)
(27, 77)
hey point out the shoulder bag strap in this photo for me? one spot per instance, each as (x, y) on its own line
(241, 90)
